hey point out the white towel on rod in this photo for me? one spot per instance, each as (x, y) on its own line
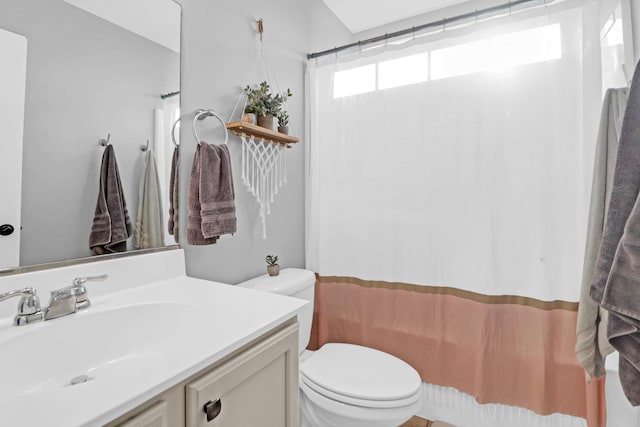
(149, 231)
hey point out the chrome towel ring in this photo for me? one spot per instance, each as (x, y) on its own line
(173, 132)
(203, 114)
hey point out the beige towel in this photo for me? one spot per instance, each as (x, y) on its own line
(592, 344)
(111, 224)
(149, 231)
(173, 223)
(211, 195)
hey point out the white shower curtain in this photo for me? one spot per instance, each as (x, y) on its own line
(163, 145)
(478, 181)
(447, 198)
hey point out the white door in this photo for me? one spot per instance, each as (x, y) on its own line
(13, 72)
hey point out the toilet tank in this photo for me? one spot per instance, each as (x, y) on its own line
(293, 282)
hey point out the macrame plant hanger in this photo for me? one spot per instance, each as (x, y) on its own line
(264, 169)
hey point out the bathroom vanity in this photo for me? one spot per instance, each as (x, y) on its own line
(154, 348)
(257, 386)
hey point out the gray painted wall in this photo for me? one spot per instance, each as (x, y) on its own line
(85, 78)
(219, 47)
(327, 30)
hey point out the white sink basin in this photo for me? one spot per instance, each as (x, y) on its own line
(130, 345)
(127, 341)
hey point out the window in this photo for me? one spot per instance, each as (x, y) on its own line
(403, 71)
(614, 34)
(538, 44)
(459, 60)
(498, 53)
(526, 47)
(354, 81)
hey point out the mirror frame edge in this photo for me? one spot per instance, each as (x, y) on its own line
(85, 260)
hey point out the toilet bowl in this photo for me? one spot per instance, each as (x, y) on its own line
(349, 385)
(344, 385)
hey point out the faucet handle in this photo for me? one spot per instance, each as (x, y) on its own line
(28, 307)
(80, 292)
(82, 280)
(29, 303)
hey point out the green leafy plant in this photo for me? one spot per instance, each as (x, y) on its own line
(261, 101)
(283, 118)
(271, 259)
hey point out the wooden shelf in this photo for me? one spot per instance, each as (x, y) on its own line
(258, 132)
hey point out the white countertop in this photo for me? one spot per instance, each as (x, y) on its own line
(182, 325)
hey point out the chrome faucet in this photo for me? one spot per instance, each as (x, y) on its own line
(70, 299)
(63, 301)
(28, 307)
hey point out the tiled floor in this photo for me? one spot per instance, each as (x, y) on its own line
(421, 422)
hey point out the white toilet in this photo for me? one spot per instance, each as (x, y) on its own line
(344, 385)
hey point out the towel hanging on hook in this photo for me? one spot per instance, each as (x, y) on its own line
(203, 114)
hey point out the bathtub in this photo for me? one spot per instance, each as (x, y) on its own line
(620, 413)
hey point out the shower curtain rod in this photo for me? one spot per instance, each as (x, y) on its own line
(440, 23)
(170, 94)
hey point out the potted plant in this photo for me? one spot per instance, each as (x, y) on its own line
(249, 115)
(272, 265)
(265, 104)
(283, 122)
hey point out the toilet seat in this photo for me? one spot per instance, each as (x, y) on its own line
(361, 376)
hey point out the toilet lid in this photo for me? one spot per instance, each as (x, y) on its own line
(360, 372)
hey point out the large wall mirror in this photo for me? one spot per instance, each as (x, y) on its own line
(80, 70)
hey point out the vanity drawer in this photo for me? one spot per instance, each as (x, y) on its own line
(155, 416)
(259, 387)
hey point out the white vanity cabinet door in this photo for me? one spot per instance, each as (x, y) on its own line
(259, 387)
(155, 416)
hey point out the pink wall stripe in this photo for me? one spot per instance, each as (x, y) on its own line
(500, 353)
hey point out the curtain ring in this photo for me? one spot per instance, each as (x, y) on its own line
(413, 32)
(476, 16)
(444, 24)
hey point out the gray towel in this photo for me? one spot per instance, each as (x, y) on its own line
(111, 224)
(211, 195)
(173, 223)
(592, 344)
(149, 224)
(616, 278)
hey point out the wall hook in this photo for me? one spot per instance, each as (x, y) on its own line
(104, 142)
(145, 148)
(260, 27)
